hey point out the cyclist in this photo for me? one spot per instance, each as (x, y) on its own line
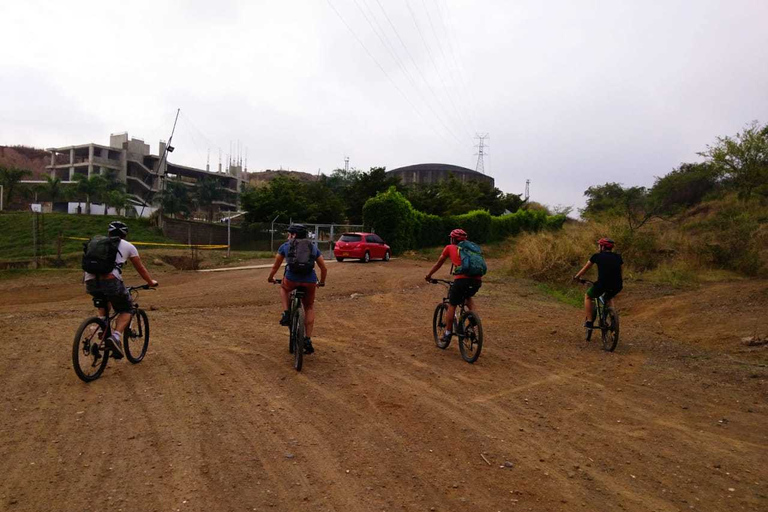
(464, 286)
(609, 277)
(292, 279)
(110, 288)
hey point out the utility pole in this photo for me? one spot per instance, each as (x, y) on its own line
(527, 189)
(481, 152)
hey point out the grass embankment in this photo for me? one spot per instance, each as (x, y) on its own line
(17, 242)
(715, 241)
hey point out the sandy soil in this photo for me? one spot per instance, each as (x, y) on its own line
(215, 418)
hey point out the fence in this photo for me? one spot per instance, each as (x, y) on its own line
(265, 236)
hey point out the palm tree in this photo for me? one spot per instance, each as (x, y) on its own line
(113, 184)
(117, 200)
(206, 193)
(91, 188)
(52, 188)
(175, 198)
(9, 178)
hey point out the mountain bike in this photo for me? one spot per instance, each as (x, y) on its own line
(90, 350)
(466, 327)
(296, 325)
(607, 321)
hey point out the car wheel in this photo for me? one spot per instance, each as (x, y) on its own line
(386, 256)
(366, 257)
(339, 259)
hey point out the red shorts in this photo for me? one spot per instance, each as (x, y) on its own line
(309, 296)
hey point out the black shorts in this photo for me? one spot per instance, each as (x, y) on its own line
(112, 290)
(599, 289)
(463, 289)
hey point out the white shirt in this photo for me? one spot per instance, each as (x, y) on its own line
(125, 251)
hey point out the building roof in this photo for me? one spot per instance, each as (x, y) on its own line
(437, 167)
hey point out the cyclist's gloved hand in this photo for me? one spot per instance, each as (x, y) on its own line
(428, 278)
(321, 283)
(270, 279)
(153, 283)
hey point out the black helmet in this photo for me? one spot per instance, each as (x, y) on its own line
(117, 228)
(299, 229)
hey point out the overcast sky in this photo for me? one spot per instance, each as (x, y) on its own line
(572, 93)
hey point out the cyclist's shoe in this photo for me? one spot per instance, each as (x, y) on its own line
(116, 346)
(308, 348)
(285, 319)
(446, 337)
(589, 324)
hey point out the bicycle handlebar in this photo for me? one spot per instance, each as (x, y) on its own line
(437, 281)
(142, 287)
(279, 281)
(585, 281)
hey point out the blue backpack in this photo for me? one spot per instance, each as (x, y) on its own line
(472, 261)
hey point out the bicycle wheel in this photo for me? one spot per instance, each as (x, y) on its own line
(438, 326)
(297, 337)
(136, 337)
(89, 356)
(470, 336)
(611, 330)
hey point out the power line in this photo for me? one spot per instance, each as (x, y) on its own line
(457, 62)
(408, 52)
(399, 61)
(431, 57)
(445, 59)
(387, 74)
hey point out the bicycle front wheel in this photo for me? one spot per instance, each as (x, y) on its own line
(438, 326)
(470, 336)
(89, 355)
(136, 337)
(297, 337)
(611, 330)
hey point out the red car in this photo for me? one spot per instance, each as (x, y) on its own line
(361, 246)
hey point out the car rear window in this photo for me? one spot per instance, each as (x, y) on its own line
(350, 238)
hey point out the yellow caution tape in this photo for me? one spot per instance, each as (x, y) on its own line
(201, 246)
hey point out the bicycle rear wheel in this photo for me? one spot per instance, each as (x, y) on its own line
(89, 355)
(438, 326)
(470, 336)
(136, 337)
(611, 330)
(297, 337)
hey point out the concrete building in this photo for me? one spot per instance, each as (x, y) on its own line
(142, 173)
(426, 174)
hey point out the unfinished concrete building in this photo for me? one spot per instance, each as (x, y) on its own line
(144, 176)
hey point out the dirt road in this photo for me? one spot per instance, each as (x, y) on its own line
(215, 418)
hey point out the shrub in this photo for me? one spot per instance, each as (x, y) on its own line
(392, 217)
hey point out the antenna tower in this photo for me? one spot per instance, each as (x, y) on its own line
(527, 189)
(346, 164)
(481, 152)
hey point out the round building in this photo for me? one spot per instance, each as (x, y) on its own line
(427, 174)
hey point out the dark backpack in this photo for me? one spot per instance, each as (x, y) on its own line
(472, 261)
(100, 253)
(300, 259)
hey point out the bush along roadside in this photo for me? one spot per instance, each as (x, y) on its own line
(393, 217)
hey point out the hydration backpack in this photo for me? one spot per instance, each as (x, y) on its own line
(472, 261)
(300, 259)
(100, 253)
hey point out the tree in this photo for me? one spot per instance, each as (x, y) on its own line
(52, 188)
(118, 200)
(92, 188)
(207, 192)
(175, 198)
(743, 159)
(682, 188)
(9, 178)
(612, 199)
